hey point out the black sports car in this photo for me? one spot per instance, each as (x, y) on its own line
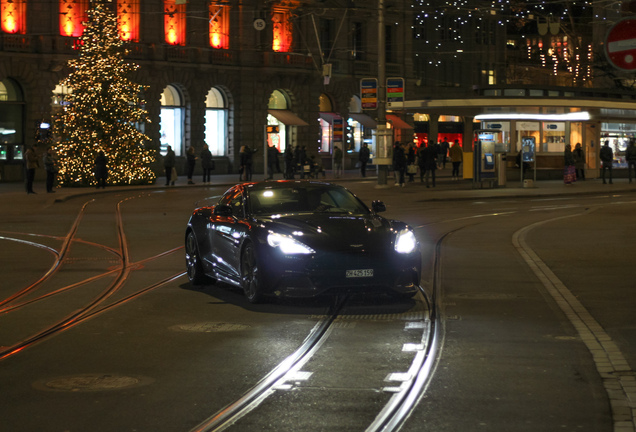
(300, 238)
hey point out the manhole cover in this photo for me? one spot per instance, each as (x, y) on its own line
(209, 327)
(91, 383)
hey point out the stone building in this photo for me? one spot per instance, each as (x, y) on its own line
(217, 72)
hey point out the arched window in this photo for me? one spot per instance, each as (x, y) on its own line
(216, 122)
(12, 114)
(277, 101)
(172, 116)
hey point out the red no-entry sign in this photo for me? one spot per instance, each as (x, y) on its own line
(620, 44)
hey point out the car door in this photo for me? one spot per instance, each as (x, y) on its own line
(228, 234)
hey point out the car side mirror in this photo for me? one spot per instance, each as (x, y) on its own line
(378, 206)
(223, 210)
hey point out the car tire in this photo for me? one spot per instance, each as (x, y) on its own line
(250, 274)
(193, 261)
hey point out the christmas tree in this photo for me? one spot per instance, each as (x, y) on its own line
(102, 111)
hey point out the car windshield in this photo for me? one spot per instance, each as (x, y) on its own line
(300, 197)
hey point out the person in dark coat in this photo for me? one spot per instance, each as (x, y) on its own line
(246, 162)
(630, 157)
(399, 163)
(579, 161)
(363, 157)
(101, 170)
(191, 160)
(272, 161)
(32, 162)
(168, 165)
(207, 163)
(410, 161)
(429, 163)
(289, 163)
(569, 170)
(607, 158)
(50, 165)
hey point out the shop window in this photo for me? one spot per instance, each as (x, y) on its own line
(219, 26)
(128, 20)
(174, 22)
(216, 122)
(171, 118)
(72, 15)
(13, 16)
(282, 31)
(553, 137)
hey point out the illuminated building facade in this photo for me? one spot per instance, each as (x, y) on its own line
(216, 72)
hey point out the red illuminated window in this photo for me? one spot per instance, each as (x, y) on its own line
(72, 14)
(174, 22)
(13, 16)
(282, 31)
(219, 26)
(128, 20)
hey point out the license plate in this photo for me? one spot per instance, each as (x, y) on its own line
(359, 273)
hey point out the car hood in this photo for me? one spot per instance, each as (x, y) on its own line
(328, 231)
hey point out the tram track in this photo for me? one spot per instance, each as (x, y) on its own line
(96, 305)
(400, 404)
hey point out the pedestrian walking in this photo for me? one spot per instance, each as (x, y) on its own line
(363, 157)
(32, 163)
(429, 162)
(191, 160)
(168, 165)
(272, 161)
(411, 166)
(101, 170)
(50, 165)
(207, 164)
(607, 160)
(569, 170)
(456, 156)
(246, 163)
(443, 154)
(399, 163)
(289, 163)
(630, 156)
(337, 162)
(579, 161)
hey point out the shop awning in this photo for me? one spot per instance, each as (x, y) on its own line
(287, 117)
(397, 122)
(329, 117)
(364, 120)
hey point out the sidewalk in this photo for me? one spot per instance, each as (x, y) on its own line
(15, 198)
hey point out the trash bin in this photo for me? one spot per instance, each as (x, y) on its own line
(501, 169)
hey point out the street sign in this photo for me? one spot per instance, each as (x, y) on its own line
(369, 93)
(395, 90)
(620, 45)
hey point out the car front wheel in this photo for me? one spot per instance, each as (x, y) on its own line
(250, 275)
(193, 261)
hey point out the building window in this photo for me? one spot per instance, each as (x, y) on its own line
(216, 122)
(13, 16)
(72, 15)
(282, 31)
(174, 22)
(171, 117)
(128, 20)
(219, 26)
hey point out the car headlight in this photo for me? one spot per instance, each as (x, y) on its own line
(405, 242)
(288, 245)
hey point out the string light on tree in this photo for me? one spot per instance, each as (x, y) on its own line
(103, 110)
